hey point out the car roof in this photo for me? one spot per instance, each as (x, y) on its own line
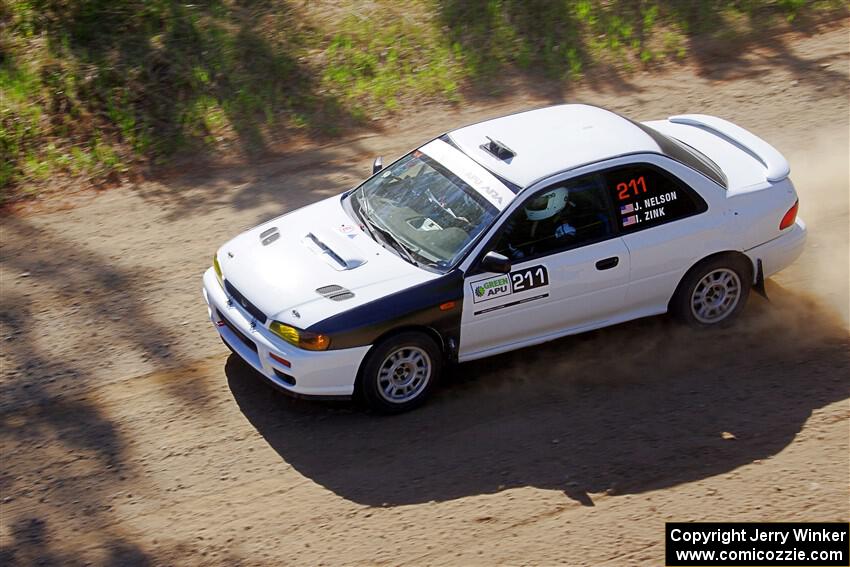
(549, 140)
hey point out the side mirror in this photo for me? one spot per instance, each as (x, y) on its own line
(377, 165)
(495, 262)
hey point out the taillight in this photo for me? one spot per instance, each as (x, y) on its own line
(790, 217)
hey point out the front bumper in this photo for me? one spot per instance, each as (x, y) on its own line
(328, 374)
(780, 252)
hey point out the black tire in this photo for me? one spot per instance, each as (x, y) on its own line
(406, 353)
(685, 305)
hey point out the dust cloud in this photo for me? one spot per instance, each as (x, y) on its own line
(821, 174)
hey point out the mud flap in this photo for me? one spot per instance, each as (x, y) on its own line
(758, 287)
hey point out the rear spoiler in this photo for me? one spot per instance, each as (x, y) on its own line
(776, 166)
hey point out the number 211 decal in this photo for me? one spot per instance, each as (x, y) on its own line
(633, 187)
(529, 278)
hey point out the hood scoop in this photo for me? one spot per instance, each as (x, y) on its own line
(269, 236)
(335, 292)
(337, 259)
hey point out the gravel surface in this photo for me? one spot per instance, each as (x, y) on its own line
(129, 436)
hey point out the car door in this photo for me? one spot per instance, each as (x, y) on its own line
(665, 225)
(569, 271)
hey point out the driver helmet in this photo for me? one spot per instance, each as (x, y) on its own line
(547, 205)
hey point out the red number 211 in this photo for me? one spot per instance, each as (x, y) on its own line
(636, 186)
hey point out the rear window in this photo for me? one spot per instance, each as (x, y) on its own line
(688, 155)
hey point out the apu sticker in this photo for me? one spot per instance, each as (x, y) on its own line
(491, 288)
(515, 282)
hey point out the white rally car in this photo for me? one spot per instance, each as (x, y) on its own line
(501, 235)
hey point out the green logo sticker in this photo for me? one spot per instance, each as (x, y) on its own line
(492, 288)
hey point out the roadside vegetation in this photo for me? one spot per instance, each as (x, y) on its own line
(93, 91)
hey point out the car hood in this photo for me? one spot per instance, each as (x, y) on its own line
(313, 263)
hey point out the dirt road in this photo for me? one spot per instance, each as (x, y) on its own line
(129, 436)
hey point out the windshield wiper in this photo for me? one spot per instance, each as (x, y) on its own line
(367, 224)
(363, 213)
(398, 245)
(388, 236)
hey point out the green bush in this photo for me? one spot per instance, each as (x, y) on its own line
(92, 89)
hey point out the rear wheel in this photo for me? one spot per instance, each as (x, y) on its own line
(713, 292)
(400, 372)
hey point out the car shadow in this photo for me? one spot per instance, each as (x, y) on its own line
(632, 408)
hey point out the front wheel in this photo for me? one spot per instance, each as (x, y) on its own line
(714, 292)
(400, 372)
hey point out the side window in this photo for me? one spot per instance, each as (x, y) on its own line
(559, 217)
(645, 196)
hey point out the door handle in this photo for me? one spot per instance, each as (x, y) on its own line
(607, 263)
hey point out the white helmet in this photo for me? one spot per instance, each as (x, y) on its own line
(547, 204)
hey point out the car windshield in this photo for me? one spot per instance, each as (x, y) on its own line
(423, 210)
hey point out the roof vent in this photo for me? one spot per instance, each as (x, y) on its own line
(498, 149)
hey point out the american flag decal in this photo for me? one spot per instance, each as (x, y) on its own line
(630, 220)
(626, 209)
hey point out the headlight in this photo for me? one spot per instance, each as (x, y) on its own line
(217, 268)
(299, 338)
